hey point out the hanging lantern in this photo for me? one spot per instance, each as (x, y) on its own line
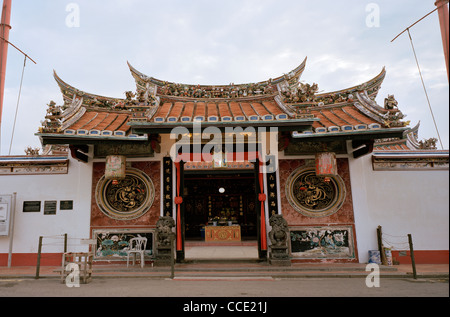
(115, 167)
(326, 164)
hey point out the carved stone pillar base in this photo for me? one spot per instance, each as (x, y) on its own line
(163, 257)
(279, 255)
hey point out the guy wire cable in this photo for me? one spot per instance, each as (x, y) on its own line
(17, 106)
(26, 56)
(423, 84)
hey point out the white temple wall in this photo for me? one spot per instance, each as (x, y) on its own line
(29, 226)
(402, 202)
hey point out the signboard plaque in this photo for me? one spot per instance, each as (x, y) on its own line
(50, 207)
(66, 205)
(32, 206)
(5, 214)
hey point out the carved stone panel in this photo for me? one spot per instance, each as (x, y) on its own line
(128, 198)
(312, 195)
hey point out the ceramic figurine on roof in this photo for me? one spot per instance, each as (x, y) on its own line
(30, 151)
(393, 116)
(52, 123)
(428, 144)
(220, 91)
(301, 94)
(390, 103)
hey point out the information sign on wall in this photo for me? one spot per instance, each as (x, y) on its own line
(66, 205)
(5, 214)
(32, 206)
(50, 207)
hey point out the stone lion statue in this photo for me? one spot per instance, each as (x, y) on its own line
(279, 233)
(164, 230)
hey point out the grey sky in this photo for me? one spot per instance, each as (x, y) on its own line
(218, 42)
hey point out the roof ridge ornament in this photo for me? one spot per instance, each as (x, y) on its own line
(267, 87)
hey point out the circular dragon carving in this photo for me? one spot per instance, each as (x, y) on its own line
(126, 199)
(312, 195)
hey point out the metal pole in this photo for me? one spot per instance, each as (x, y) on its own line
(411, 252)
(4, 33)
(65, 242)
(443, 22)
(38, 264)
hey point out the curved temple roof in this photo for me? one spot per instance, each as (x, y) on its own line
(283, 100)
(292, 78)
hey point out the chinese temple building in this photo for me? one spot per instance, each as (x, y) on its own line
(274, 163)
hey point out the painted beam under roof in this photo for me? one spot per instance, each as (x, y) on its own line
(166, 127)
(354, 135)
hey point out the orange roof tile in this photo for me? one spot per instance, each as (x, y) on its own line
(357, 115)
(200, 109)
(323, 120)
(344, 116)
(260, 109)
(224, 110)
(176, 110)
(334, 118)
(188, 109)
(107, 121)
(248, 110)
(212, 109)
(124, 127)
(96, 121)
(84, 120)
(236, 109)
(272, 107)
(164, 110)
(317, 124)
(120, 120)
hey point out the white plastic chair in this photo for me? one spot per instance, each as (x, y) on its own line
(137, 245)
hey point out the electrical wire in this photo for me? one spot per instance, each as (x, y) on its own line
(417, 62)
(424, 88)
(17, 106)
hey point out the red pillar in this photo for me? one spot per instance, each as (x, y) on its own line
(4, 33)
(443, 21)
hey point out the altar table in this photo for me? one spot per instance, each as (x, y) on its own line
(223, 233)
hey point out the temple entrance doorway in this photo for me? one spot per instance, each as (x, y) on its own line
(220, 215)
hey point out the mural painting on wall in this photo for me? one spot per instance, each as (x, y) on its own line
(114, 243)
(322, 242)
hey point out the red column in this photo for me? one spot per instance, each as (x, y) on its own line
(262, 199)
(443, 21)
(178, 202)
(4, 33)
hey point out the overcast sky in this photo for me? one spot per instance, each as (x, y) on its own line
(88, 43)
